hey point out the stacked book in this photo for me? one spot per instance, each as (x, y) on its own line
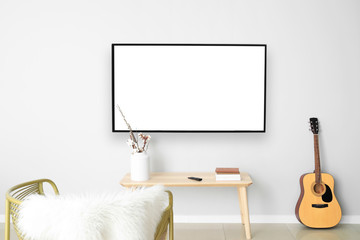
(223, 174)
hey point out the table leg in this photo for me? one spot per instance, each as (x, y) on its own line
(244, 211)
(241, 206)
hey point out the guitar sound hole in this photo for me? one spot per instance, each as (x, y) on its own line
(319, 188)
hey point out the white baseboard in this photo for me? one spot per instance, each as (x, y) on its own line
(352, 219)
(234, 219)
(349, 219)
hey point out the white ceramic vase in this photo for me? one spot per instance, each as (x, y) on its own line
(140, 167)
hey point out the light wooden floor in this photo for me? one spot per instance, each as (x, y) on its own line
(200, 231)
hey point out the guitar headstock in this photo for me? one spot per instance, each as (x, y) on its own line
(314, 125)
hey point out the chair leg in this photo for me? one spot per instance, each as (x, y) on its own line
(171, 226)
(7, 220)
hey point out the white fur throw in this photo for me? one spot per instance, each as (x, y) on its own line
(128, 215)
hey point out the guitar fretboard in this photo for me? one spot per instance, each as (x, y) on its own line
(317, 159)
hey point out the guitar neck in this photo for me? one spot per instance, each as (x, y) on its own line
(317, 159)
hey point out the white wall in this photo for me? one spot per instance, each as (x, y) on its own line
(55, 97)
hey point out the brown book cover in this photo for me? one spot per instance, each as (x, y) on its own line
(227, 171)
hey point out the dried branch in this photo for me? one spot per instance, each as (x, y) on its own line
(132, 137)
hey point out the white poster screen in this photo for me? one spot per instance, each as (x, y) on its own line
(189, 88)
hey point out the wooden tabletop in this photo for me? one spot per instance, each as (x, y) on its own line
(180, 179)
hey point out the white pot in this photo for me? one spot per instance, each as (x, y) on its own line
(140, 166)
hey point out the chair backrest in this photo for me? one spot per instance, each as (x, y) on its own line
(15, 196)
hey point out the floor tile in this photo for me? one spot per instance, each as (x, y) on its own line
(259, 231)
(356, 227)
(340, 232)
(198, 231)
(234, 231)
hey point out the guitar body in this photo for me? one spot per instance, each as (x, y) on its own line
(318, 210)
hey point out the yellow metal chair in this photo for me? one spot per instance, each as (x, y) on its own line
(16, 194)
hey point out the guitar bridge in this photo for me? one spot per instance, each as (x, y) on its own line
(320, 205)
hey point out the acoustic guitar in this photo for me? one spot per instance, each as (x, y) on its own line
(317, 206)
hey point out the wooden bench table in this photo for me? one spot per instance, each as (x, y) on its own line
(180, 179)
